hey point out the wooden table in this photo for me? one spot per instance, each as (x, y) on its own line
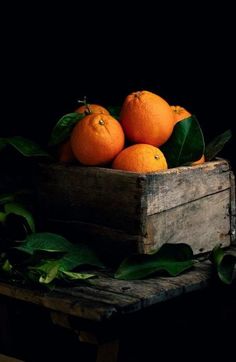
(106, 302)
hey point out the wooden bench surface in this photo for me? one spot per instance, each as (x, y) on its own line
(105, 298)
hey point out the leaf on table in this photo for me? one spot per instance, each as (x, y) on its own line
(186, 143)
(4, 198)
(67, 275)
(79, 255)
(63, 128)
(170, 258)
(224, 262)
(6, 266)
(47, 271)
(45, 242)
(217, 144)
(18, 209)
(27, 147)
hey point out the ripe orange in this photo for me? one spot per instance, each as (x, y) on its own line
(140, 158)
(97, 139)
(180, 113)
(65, 153)
(91, 108)
(200, 161)
(147, 118)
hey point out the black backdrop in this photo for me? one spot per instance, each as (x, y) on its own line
(53, 56)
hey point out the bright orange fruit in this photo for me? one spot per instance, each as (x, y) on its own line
(140, 158)
(147, 118)
(200, 161)
(91, 108)
(65, 153)
(180, 113)
(97, 139)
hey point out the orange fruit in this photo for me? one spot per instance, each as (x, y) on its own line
(180, 113)
(147, 118)
(97, 139)
(65, 153)
(200, 161)
(140, 158)
(91, 108)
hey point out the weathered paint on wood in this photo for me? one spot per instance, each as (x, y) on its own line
(124, 212)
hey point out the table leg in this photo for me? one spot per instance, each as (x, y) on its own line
(107, 350)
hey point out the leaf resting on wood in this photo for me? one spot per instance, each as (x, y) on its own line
(172, 259)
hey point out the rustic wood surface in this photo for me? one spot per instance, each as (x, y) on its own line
(95, 195)
(178, 186)
(203, 224)
(104, 297)
(139, 212)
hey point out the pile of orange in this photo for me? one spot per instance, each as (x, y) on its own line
(146, 121)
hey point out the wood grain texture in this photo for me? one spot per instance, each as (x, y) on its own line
(135, 212)
(105, 298)
(181, 185)
(91, 194)
(202, 224)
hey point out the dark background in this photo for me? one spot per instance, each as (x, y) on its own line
(51, 57)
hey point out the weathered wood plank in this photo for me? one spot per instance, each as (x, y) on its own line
(158, 289)
(91, 194)
(202, 224)
(136, 212)
(104, 239)
(106, 297)
(119, 301)
(184, 184)
(82, 307)
(4, 358)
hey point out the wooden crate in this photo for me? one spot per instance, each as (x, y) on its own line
(123, 212)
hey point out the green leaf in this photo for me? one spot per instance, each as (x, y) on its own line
(75, 276)
(27, 147)
(3, 143)
(51, 246)
(6, 267)
(18, 209)
(170, 258)
(79, 255)
(47, 254)
(114, 111)
(186, 143)
(215, 146)
(4, 198)
(45, 242)
(224, 263)
(63, 128)
(2, 217)
(47, 271)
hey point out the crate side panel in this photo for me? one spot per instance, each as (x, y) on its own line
(184, 184)
(202, 223)
(92, 195)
